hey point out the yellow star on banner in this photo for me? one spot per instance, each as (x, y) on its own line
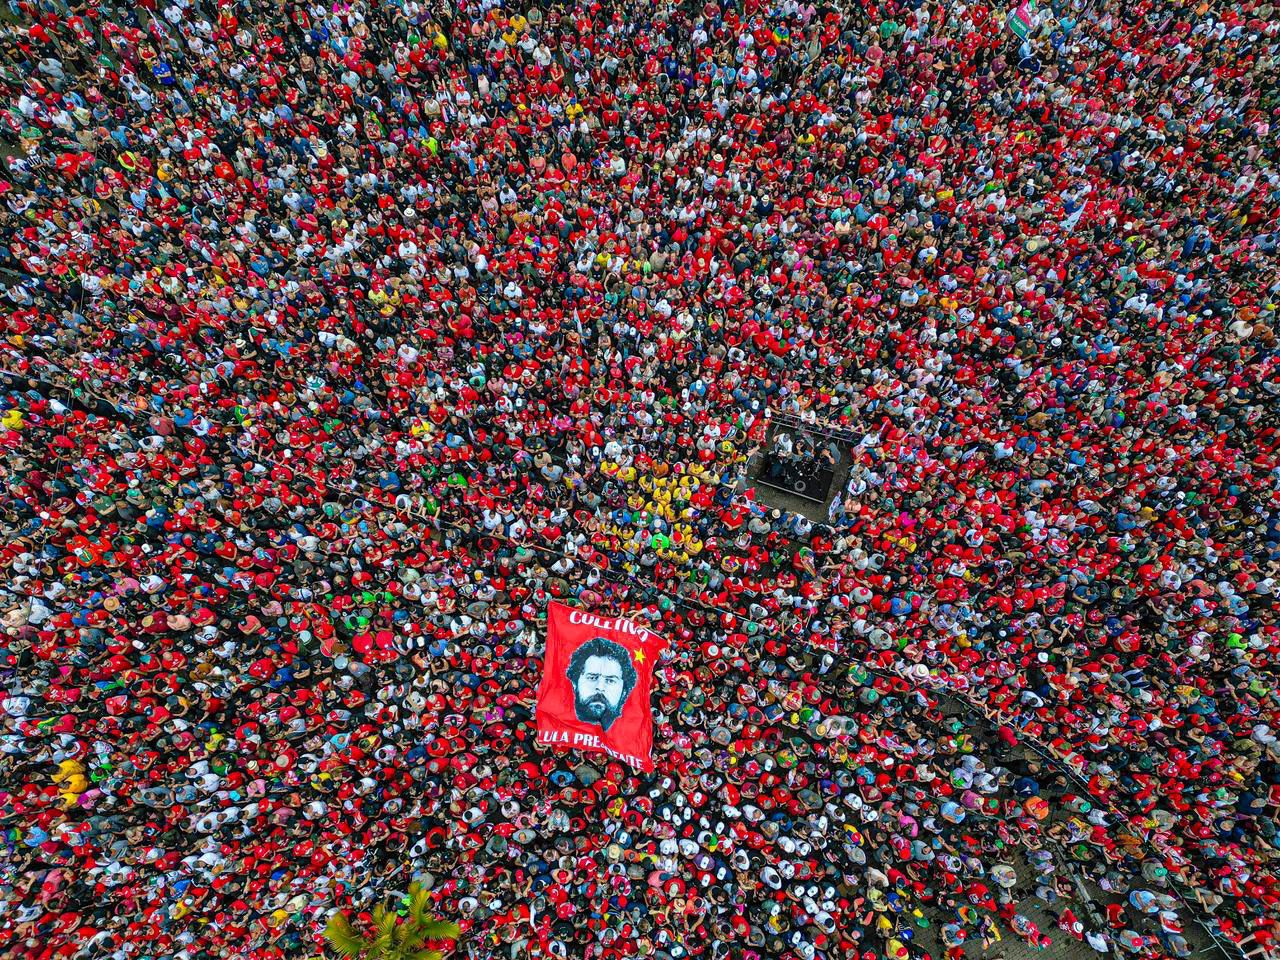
(639, 656)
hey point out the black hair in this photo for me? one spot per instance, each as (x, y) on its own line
(603, 647)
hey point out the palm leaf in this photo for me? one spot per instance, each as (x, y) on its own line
(384, 922)
(429, 927)
(419, 900)
(394, 937)
(440, 930)
(342, 937)
(400, 935)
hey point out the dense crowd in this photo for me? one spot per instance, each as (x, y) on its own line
(338, 337)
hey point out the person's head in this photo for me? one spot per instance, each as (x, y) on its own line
(602, 677)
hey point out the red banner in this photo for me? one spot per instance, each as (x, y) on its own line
(596, 678)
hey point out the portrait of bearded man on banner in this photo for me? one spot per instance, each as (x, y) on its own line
(602, 677)
(596, 685)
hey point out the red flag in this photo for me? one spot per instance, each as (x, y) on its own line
(596, 678)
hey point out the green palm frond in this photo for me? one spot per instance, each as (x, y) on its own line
(419, 899)
(342, 937)
(440, 930)
(384, 925)
(400, 935)
(398, 932)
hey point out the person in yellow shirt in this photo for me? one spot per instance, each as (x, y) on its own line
(71, 779)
